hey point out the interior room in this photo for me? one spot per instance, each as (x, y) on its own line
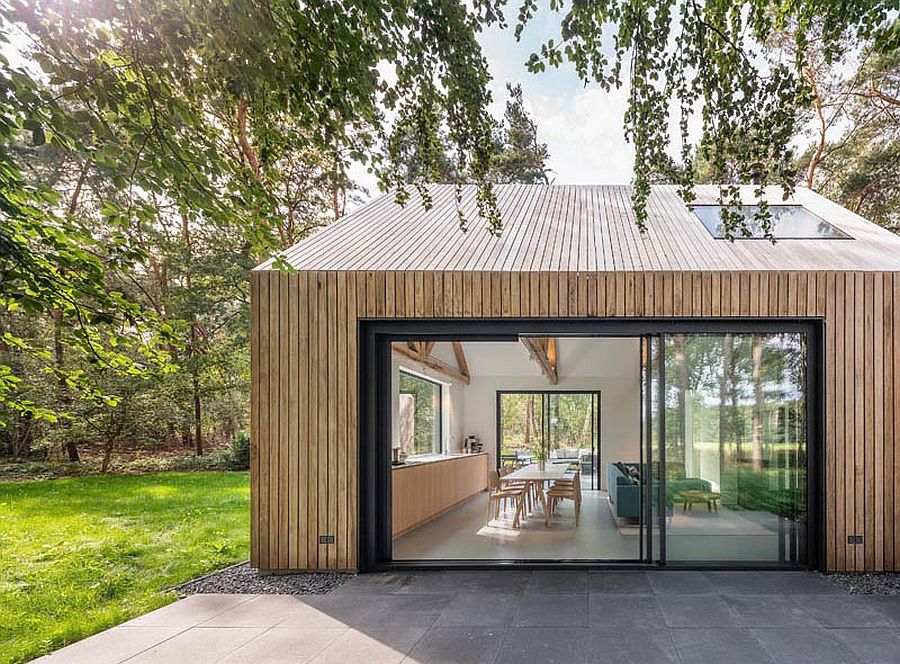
(473, 418)
(690, 447)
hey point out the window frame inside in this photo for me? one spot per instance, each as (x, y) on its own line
(437, 446)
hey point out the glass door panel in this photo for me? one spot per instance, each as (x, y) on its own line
(572, 420)
(735, 447)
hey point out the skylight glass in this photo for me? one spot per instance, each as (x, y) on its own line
(789, 222)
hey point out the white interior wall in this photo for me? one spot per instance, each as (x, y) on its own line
(610, 365)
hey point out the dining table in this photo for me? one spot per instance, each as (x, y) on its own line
(536, 473)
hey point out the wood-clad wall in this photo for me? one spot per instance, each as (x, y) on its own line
(304, 384)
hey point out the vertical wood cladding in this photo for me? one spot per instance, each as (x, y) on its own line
(304, 384)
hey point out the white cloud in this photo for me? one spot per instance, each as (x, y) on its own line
(584, 134)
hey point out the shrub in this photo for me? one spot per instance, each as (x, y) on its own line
(238, 455)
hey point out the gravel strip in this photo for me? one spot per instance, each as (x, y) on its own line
(882, 583)
(242, 579)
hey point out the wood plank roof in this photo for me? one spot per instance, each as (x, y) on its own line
(579, 228)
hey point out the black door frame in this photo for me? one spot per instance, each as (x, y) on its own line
(374, 497)
(595, 438)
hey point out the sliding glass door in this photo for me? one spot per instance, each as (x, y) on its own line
(725, 440)
(559, 426)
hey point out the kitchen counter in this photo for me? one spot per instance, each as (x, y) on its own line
(432, 458)
(426, 487)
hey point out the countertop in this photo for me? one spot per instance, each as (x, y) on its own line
(434, 458)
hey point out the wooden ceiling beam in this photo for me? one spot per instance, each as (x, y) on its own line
(432, 363)
(461, 358)
(543, 350)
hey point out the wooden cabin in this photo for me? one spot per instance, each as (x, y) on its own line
(695, 388)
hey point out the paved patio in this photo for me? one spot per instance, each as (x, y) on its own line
(518, 618)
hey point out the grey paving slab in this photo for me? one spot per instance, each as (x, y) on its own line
(769, 611)
(458, 645)
(752, 583)
(285, 645)
(190, 611)
(799, 582)
(619, 611)
(200, 645)
(513, 582)
(380, 583)
(553, 610)
(551, 582)
(550, 645)
(797, 645)
(696, 611)
(719, 646)
(878, 646)
(371, 646)
(479, 610)
(842, 611)
(888, 606)
(624, 645)
(260, 611)
(617, 582)
(680, 582)
(112, 646)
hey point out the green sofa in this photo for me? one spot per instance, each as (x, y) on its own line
(624, 485)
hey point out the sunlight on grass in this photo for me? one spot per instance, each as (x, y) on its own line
(82, 554)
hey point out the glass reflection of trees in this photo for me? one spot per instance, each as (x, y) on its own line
(735, 416)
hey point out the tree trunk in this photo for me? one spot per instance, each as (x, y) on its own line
(756, 413)
(107, 456)
(198, 437)
(62, 389)
(681, 385)
(529, 411)
(816, 158)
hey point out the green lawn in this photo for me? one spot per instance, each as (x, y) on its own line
(79, 555)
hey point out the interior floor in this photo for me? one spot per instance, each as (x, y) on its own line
(460, 534)
(696, 535)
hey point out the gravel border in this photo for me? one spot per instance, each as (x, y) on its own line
(244, 580)
(866, 583)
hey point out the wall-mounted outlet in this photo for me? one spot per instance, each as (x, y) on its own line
(854, 539)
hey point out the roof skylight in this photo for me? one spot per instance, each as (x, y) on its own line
(789, 222)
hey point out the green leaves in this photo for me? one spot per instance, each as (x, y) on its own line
(687, 60)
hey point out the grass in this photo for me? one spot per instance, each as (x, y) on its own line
(81, 554)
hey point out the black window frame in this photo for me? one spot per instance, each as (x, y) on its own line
(375, 336)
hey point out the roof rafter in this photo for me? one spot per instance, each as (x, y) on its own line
(543, 350)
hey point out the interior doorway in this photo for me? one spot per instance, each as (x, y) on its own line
(559, 426)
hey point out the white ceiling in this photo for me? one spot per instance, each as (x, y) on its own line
(576, 357)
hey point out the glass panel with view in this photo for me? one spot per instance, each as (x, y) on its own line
(419, 415)
(789, 222)
(551, 426)
(735, 448)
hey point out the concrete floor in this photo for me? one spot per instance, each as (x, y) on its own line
(695, 535)
(518, 617)
(460, 534)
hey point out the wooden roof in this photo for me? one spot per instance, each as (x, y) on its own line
(579, 228)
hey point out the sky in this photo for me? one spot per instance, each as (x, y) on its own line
(582, 125)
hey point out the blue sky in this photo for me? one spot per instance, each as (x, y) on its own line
(582, 125)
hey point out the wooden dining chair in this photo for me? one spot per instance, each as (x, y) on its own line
(500, 495)
(530, 488)
(566, 488)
